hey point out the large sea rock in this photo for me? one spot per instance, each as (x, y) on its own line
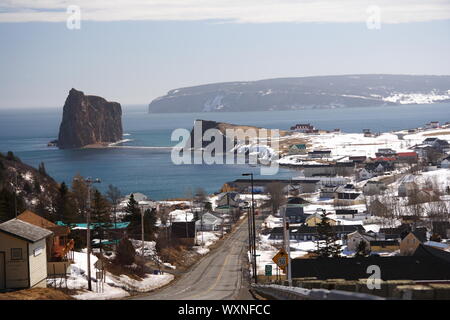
(89, 120)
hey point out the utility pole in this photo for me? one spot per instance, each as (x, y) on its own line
(15, 191)
(250, 236)
(287, 239)
(89, 182)
(142, 229)
(253, 229)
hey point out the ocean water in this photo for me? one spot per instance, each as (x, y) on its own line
(151, 171)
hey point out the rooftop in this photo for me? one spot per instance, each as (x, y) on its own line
(24, 230)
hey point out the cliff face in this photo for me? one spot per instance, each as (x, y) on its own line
(89, 120)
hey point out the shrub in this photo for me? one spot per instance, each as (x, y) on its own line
(125, 252)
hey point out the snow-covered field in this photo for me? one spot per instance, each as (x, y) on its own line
(114, 287)
(205, 239)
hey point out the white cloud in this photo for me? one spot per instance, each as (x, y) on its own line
(238, 11)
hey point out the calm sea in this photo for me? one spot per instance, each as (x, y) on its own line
(150, 171)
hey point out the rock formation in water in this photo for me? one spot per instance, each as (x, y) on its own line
(89, 120)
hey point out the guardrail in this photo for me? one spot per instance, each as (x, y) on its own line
(279, 292)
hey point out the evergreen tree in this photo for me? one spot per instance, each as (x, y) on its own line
(362, 250)
(125, 252)
(326, 245)
(2, 174)
(37, 186)
(8, 202)
(41, 169)
(27, 188)
(65, 209)
(11, 157)
(150, 222)
(42, 208)
(134, 217)
(100, 217)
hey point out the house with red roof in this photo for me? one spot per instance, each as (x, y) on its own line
(407, 157)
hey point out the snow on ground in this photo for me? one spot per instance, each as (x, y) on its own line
(356, 144)
(248, 197)
(205, 239)
(28, 176)
(416, 98)
(114, 287)
(440, 176)
(181, 215)
(272, 222)
(418, 137)
(173, 202)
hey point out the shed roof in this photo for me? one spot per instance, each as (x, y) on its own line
(24, 230)
(35, 219)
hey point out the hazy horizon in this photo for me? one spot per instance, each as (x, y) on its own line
(136, 51)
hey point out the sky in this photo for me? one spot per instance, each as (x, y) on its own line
(132, 51)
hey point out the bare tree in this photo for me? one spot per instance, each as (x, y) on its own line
(277, 196)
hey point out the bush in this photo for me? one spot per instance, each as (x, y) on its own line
(125, 252)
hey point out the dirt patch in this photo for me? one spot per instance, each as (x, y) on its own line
(36, 294)
(179, 256)
(119, 270)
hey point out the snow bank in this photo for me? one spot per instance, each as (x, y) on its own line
(114, 287)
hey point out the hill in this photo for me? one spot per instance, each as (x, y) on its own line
(306, 93)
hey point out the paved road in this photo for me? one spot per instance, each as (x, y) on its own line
(218, 276)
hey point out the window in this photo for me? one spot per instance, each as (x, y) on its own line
(16, 253)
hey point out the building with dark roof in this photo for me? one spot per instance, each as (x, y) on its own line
(23, 255)
(426, 264)
(307, 233)
(184, 232)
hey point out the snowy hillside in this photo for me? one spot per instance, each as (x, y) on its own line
(305, 93)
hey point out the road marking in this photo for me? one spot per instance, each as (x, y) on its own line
(219, 275)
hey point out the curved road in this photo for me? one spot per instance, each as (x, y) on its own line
(218, 276)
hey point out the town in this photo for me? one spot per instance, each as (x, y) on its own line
(354, 201)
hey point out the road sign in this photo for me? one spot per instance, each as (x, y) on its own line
(281, 259)
(268, 270)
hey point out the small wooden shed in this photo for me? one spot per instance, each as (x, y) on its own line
(23, 255)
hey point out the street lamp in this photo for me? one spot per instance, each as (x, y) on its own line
(89, 181)
(253, 231)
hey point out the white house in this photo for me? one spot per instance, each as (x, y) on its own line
(23, 255)
(208, 222)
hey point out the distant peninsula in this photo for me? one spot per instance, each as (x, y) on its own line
(89, 121)
(306, 93)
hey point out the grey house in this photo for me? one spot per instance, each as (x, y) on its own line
(208, 222)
